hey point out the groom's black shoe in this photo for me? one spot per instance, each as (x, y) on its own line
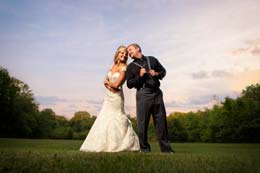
(169, 152)
(145, 151)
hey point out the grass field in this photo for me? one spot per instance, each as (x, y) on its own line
(27, 155)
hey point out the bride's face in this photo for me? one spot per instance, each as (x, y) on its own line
(122, 55)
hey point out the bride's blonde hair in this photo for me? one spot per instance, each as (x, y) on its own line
(116, 60)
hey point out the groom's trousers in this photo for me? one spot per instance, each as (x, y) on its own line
(150, 102)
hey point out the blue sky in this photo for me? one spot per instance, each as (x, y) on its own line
(63, 49)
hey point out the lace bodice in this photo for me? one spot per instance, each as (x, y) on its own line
(114, 76)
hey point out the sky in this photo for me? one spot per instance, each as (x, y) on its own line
(63, 49)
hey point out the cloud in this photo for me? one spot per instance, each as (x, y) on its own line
(200, 75)
(67, 107)
(200, 101)
(210, 74)
(221, 73)
(254, 41)
(191, 101)
(49, 100)
(196, 94)
(252, 48)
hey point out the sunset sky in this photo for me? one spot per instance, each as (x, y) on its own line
(63, 49)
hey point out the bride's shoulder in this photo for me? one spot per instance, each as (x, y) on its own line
(123, 68)
(111, 67)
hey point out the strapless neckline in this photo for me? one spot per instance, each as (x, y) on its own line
(113, 73)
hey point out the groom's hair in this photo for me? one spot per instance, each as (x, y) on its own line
(136, 46)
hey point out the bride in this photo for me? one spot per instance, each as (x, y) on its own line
(112, 131)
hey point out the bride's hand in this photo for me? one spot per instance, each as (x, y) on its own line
(112, 89)
(106, 82)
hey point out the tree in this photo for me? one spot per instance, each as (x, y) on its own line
(46, 123)
(18, 107)
(81, 124)
(62, 130)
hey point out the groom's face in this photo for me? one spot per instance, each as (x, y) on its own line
(132, 51)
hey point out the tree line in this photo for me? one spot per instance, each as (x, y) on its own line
(233, 120)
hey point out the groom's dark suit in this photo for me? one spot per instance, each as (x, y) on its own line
(149, 100)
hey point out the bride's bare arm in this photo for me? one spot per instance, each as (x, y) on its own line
(106, 84)
(119, 81)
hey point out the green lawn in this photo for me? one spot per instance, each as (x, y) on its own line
(27, 155)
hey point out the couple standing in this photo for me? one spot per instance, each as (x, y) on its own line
(112, 131)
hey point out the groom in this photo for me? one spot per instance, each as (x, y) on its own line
(144, 74)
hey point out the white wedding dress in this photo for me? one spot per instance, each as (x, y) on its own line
(112, 131)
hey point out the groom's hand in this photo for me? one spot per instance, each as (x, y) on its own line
(153, 73)
(142, 72)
